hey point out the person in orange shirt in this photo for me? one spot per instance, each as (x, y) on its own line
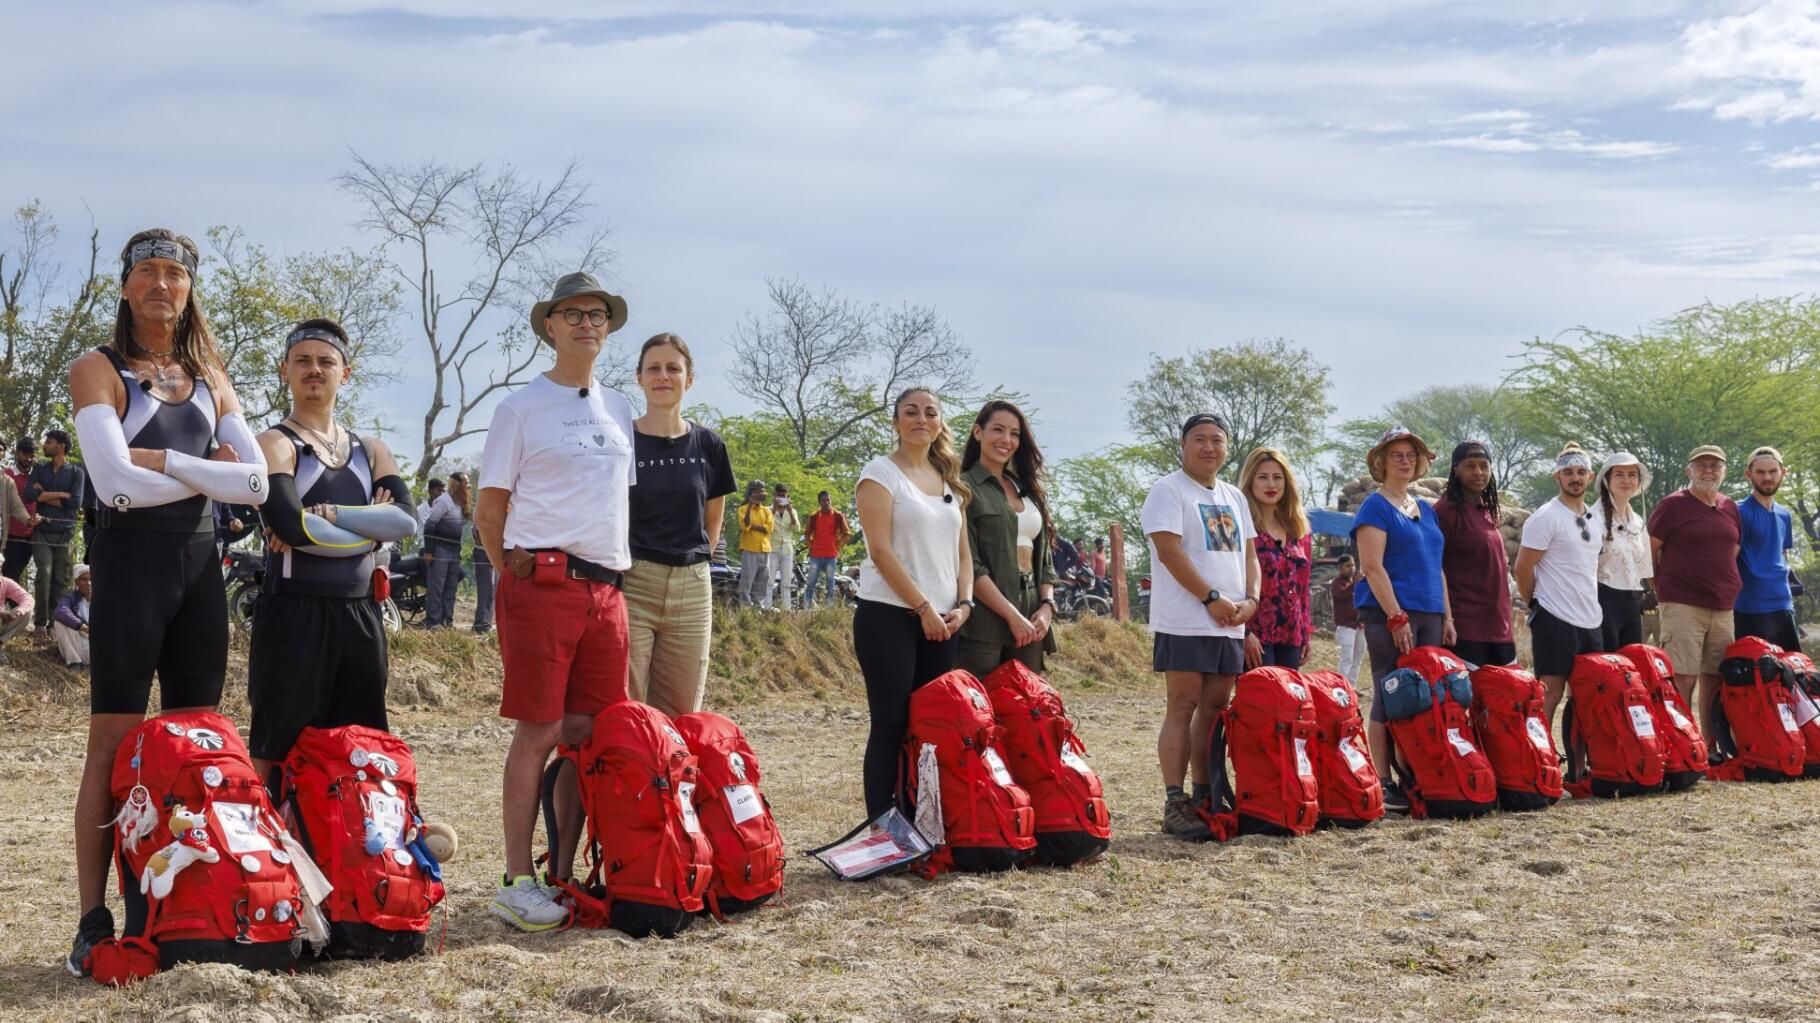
(827, 531)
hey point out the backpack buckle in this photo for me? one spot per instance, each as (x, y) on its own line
(242, 923)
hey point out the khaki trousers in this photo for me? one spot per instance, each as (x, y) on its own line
(669, 619)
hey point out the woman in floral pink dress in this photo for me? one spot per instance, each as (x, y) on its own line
(1278, 634)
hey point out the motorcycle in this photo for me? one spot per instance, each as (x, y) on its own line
(243, 574)
(1077, 593)
(723, 578)
(408, 580)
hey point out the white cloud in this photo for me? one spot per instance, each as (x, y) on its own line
(1053, 37)
(1806, 158)
(1766, 62)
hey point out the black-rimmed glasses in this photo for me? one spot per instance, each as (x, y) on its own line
(573, 317)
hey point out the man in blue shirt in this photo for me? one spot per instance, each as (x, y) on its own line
(1765, 608)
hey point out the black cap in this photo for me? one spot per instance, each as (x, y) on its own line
(1202, 418)
(26, 444)
(1470, 449)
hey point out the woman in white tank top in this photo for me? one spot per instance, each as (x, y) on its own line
(1008, 531)
(915, 583)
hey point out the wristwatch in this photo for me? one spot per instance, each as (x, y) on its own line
(1211, 597)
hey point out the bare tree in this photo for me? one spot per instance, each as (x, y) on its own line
(39, 338)
(513, 231)
(827, 365)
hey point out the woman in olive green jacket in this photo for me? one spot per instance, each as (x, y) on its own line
(1008, 530)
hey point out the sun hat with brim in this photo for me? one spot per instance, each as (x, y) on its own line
(572, 286)
(1706, 451)
(1374, 459)
(1618, 459)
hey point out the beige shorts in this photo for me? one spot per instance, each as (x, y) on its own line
(1695, 638)
(669, 621)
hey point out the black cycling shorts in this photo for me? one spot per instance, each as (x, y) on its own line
(315, 662)
(158, 608)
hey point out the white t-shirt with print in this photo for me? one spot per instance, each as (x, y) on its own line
(925, 536)
(1214, 524)
(1567, 577)
(568, 461)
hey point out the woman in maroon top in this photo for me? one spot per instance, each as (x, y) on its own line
(1278, 633)
(1473, 560)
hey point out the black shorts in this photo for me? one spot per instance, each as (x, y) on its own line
(1554, 643)
(1479, 653)
(1777, 627)
(158, 607)
(1209, 655)
(315, 661)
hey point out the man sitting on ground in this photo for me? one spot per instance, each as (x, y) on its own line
(69, 623)
(15, 612)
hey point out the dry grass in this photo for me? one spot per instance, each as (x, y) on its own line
(1690, 908)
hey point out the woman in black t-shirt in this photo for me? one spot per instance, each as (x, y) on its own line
(683, 482)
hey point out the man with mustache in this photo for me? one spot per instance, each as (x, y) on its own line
(1766, 603)
(1558, 576)
(1694, 535)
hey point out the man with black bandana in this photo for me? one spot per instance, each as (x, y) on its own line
(318, 656)
(163, 437)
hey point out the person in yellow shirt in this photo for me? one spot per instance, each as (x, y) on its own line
(755, 524)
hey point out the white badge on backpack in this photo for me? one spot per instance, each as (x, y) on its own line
(388, 816)
(685, 801)
(1302, 765)
(1681, 721)
(1074, 760)
(1805, 710)
(240, 827)
(1538, 735)
(1460, 745)
(1640, 721)
(1349, 748)
(996, 766)
(743, 802)
(1788, 719)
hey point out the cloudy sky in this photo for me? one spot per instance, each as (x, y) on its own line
(1410, 189)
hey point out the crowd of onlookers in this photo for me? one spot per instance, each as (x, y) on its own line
(47, 502)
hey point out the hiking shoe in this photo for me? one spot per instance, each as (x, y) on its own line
(1394, 799)
(1180, 820)
(96, 926)
(527, 905)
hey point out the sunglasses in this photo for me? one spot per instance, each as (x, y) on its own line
(1584, 522)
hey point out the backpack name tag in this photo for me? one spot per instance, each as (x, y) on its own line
(1788, 718)
(743, 802)
(1805, 710)
(388, 817)
(685, 801)
(1075, 761)
(1680, 719)
(1459, 744)
(1302, 765)
(1640, 722)
(239, 824)
(997, 766)
(1538, 735)
(1349, 748)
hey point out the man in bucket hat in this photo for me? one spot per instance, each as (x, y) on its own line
(1694, 534)
(553, 517)
(1766, 604)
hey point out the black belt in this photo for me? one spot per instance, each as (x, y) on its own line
(581, 568)
(156, 520)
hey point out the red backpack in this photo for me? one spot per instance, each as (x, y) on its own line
(1427, 706)
(1804, 689)
(1049, 762)
(1269, 730)
(1507, 712)
(1610, 720)
(1684, 760)
(204, 865)
(1351, 796)
(748, 849)
(353, 791)
(1755, 728)
(954, 775)
(651, 861)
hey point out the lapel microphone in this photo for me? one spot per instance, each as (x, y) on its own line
(146, 386)
(583, 392)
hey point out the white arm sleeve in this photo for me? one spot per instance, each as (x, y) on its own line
(117, 481)
(241, 482)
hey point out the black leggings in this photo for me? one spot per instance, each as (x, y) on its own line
(895, 659)
(1622, 622)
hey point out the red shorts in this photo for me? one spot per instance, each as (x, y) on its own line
(564, 647)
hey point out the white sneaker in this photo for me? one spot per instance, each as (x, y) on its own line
(528, 906)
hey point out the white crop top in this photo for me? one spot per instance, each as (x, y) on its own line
(1029, 525)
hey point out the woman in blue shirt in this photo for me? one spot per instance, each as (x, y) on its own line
(1402, 595)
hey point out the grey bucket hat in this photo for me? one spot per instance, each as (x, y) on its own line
(569, 286)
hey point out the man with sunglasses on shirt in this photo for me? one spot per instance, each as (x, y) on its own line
(1557, 574)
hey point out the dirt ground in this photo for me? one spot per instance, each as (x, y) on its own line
(1697, 907)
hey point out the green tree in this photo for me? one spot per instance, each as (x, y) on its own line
(1446, 414)
(1102, 487)
(1272, 391)
(1736, 376)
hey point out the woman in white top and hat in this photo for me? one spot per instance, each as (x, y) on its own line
(1625, 567)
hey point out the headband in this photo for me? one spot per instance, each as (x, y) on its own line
(1569, 459)
(317, 334)
(157, 248)
(1203, 418)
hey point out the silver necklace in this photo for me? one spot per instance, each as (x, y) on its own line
(334, 458)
